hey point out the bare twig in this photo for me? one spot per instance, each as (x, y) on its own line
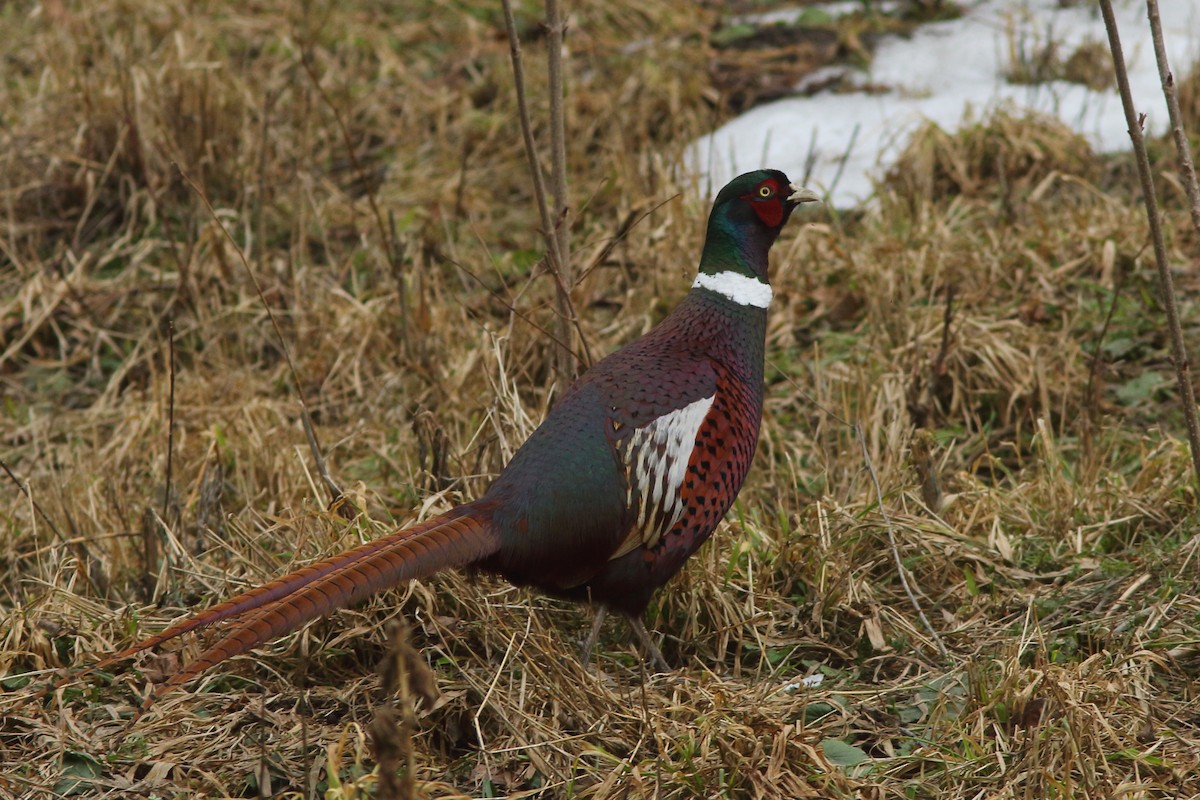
(810, 158)
(539, 185)
(631, 221)
(511, 308)
(260, 195)
(921, 450)
(1166, 284)
(396, 255)
(170, 416)
(922, 393)
(305, 755)
(555, 28)
(553, 251)
(153, 526)
(403, 673)
(310, 433)
(939, 363)
(37, 507)
(1187, 169)
(1090, 392)
(262, 772)
(841, 167)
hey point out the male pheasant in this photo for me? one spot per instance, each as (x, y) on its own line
(629, 474)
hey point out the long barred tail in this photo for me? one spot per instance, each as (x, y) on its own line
(457, 538)
(446, 542)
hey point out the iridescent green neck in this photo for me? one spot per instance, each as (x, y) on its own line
(733, 246)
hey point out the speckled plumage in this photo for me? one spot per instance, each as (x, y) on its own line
(628, 475)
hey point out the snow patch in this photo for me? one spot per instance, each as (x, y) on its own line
(939, 74)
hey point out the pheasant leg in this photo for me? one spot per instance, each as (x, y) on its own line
(586, 654)
(655, 655)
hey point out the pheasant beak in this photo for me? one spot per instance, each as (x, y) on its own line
(801, 195)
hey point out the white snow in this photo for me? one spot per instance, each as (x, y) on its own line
(944, 72)
(840, 8)
(807, 682)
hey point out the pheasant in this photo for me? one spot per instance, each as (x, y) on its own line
(627, 476)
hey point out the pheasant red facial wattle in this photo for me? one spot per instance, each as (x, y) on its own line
(629, 474)
(767, 202)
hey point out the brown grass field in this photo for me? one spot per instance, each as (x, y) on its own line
(1058, 567)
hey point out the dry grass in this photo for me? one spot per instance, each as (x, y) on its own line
(1060, 571)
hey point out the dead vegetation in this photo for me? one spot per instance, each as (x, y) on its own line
(1059, 568)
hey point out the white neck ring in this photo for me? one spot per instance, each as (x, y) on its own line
(741, 289)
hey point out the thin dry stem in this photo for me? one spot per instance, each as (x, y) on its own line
(170, 419)
(1166, 283)
(555, 32)
(1187, 169)
(550, 224)
(24, 490)
(512, 309)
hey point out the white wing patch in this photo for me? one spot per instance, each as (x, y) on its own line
(657, 455)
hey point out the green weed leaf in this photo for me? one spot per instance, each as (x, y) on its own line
(841, 754)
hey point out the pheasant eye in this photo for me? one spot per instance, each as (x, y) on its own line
(765, 191)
